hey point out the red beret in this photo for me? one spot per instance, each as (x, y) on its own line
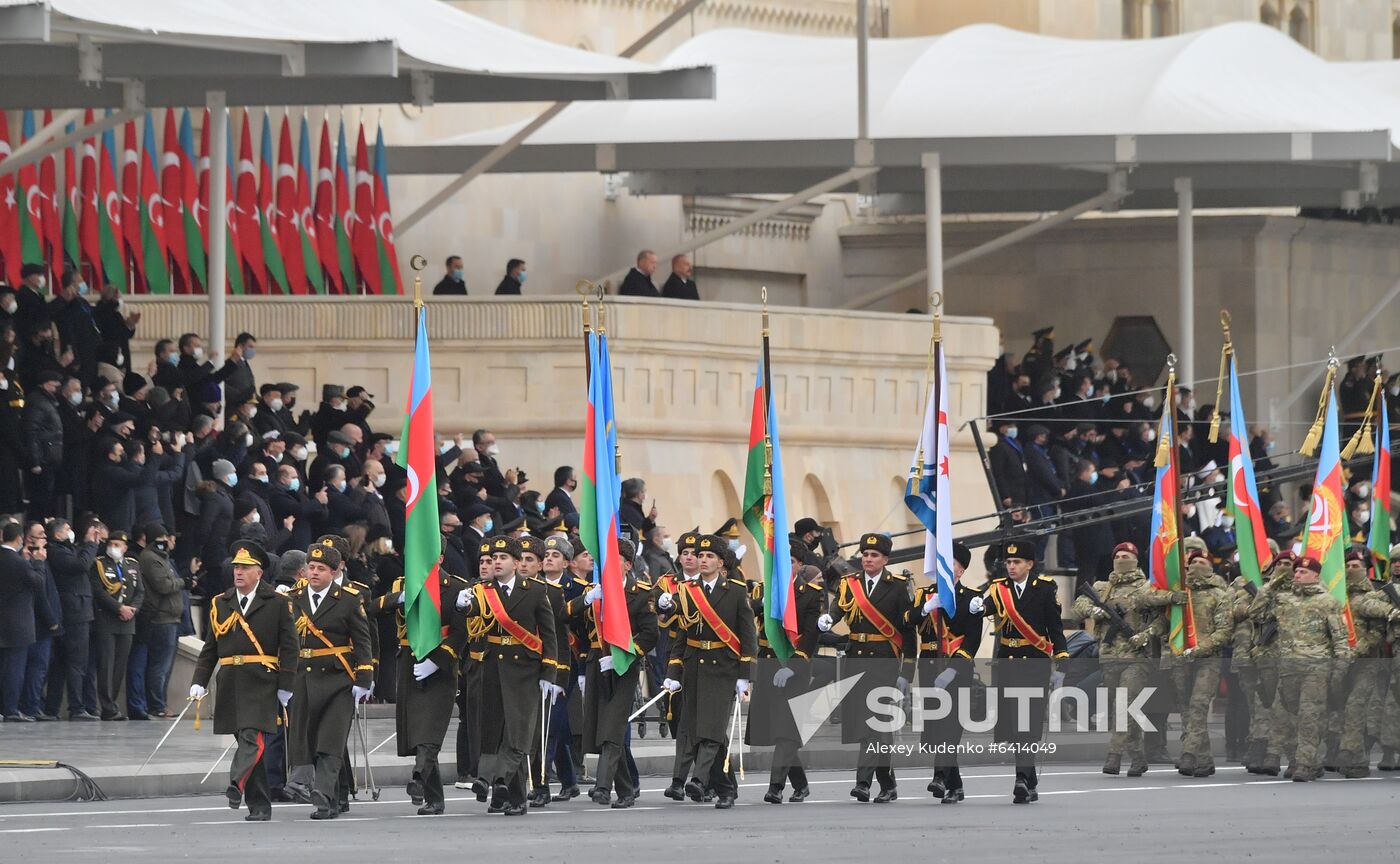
(1125, 546)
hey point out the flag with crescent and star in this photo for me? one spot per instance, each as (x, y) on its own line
(422, 603)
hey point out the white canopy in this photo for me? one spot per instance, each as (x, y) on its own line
(986, 97)
(74, 53)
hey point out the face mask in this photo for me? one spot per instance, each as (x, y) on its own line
(493, 450)
(41, 283)
(1093, 477)
(1105, 397)
(115, 552)
(82, 288)
(1363, 490)
(252, 412)
(340, 487)
(444, 447)
(1394, 389)
(1271, 445)
(10, 307)
(1151, 435)
(299, 454)
(539, 507)
(522, 276)
(256, 518)
(231, 480)
(459, 275)
(275, 457)
(670, 546)
(379, 480)
(295, 484)
(1363, 517)
(249, 353)
(161, 546)
(248, 440)
(391, 447)
(1227, 522)
(1012, 432)
(261, 478)
(343, 452)
(1190, 512)
(121, 358)
(113, 399)
(199, 352)
(388, 547)
(1149, 402)
(338, 406)
(1054, 394)
(488, 526)
(75, 398)
(1112, 376)
(1124, 565)
(275, 405)
(172, 358)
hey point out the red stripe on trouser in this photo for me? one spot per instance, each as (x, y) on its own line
(242, 781)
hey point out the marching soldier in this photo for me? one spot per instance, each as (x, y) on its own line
(426, 690)
(1247, 670)
(790, 679)
(559, 743)
(117, 595)
(608, 694)
(876, 605)
(1263, 613)
(672, 628)
(333, 673)
(947, 646)
(1385, 603)
(1196, 673)
(469, 688)
(1030, 638)
(517, 668)
(253, 643)
(714, 662)
(1363, 678)
(531, 565)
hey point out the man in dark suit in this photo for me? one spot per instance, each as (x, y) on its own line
(561, 498)
(20, 587)
(514, 278)
(630, 513)
(455, 282)
(680, 286)
(638, 281)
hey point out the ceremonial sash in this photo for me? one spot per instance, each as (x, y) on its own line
(236, 616)
(707, 612)
(1012, 614)
(951, 643)
(305, 622)
(874, 616)
(531, 641)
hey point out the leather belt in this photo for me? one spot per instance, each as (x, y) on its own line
(249, 659)
(503, 640)
(869, 637)
(306, 653)
(706, 645)
(1017, 643)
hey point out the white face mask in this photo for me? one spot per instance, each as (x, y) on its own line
(339, 406)
(379, 480)
(1363, 490)
(75, 398)
(248, 440)
(255, 518)
(116, 553)
(275, 405)
(199, 352)
(391, 447)
(120, 358)
(299, 454)
(493, 450)
(113, 399)
(252, 412)
(1149, 402)
(670, 546)
(10, 308)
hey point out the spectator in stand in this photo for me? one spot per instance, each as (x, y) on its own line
(454, 283)
(290, 422)
(37, 357)
(48, 625)
(215, 528)
(20, 585)
(561, 498)
(658, 553)
(1093, 543)
(240, 385)
(13, 448)
(77, 331)
(29, 310)
(115, 325)
(269, 417)
(197, 376)
(289, 500)
(514, 278)
(630, 513)
(342, 508)
(71, 562)
(679, 285)
(153, 649)
(121, 470)
(358, 407)
(338, 452)
(638, 280)
(42, 427)
(1008, 460)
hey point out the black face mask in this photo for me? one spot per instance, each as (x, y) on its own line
(161, 546)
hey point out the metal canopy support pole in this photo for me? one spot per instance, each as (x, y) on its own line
(28, 155)
(933, 227)
(828, 185)
(218, 221)
(864, 152)
(1030, 229)
(1186, 282)
(505, 148)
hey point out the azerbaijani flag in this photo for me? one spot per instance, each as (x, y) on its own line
(72, 206)
(1165, 568)
(765, 515)
(1378, 540)
(1327, 518)
(109, 214)
(31, 210)
(267, 205)
(155, 251)
(194, 228)
(306, 219)
(1243, 501)
(389, 276)
(927, 493)
(598, 509)
(422, 604)
(345, 216)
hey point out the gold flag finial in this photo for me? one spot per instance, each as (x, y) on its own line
(418, 262)
(1361, 442)
(1164, 440)
(584, 288)
(1226, 349)
(1314, 436)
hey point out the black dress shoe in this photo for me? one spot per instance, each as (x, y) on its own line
(235, 796)
(538, 798)
(568, 793)
(601, 797)
(415, 791)
(344, 806)
(300, 794)
(430, 810)
(951, 796)
(887, 795)
(861, 793)
(624, 802)
(83, 716)
(694, 791)
(724, 802)
(1034, 796)
(138, 715)
(676, 791)
(481, 790)
(774, 795)
(708, 796)
(325, 813)
(1020, 793)
(44, 718)
(280, 796)
(799, 795)
(258, 817)
(108, 717)
(499, 794)
(936, 787)
(515, 810)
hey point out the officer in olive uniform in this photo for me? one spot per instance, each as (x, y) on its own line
(426, 690)
(518, 668)
(253, 643)
(712, 661)
(608, 695)
(1030, 637)
(554, 571)
(876, 605)
(947, 646)
(469, 687)
(531, 566)
(333, 673)
(117, 594)
(671, 629)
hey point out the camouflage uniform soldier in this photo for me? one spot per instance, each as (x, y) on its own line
(1312, 639)
(1124, 657)
(1388, 691)
(1265, 658)
(1243, 636)
(1371, 611)
(1196, 673)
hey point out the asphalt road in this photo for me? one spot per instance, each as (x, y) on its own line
(1082, 815)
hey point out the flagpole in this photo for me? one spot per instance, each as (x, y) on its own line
(1169, 405)
(1226, 350)
(603, 339)
(583, 286)
(767, 421)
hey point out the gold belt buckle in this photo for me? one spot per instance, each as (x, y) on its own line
(305, 653)
(238, 659)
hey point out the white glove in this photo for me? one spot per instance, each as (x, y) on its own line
(593, 595)
(1188, 652)
(824, 623)
(780, 678)
(197, 692)
(546, 688)
(945, 678)
(282, 589)
(902, 683)
(464, 598)
(975, 605)
(1098, 613)
(284, 696)
(581, 679)
(362, 694)
(1057, 679)
(741, 686)
(555, 691)
(423, 668)
(671, 684)
(931, 604)
(605, 663)
(664, 602)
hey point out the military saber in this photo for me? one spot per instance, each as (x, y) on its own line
(544, 732)
(220, 760)
(188, 704)
(364, 745)
(657, 698)
(733, 724)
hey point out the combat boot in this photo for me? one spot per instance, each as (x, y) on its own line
(1387, 762)
(1204, 769)
(1138, 767)
(1305, 775)
(1254, 756)
(936, 786)
(1356, 772)
(1112, 763)
(1289, 771)
(1186, 767)
(1268, 766)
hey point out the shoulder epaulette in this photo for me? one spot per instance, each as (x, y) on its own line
(998, 579)
(579, 580)
(1043, 578)
(349, 588)
(300, 583)
(641, 585)
(899, 576)
(814, 582)
(740, 582)
(297, 589)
